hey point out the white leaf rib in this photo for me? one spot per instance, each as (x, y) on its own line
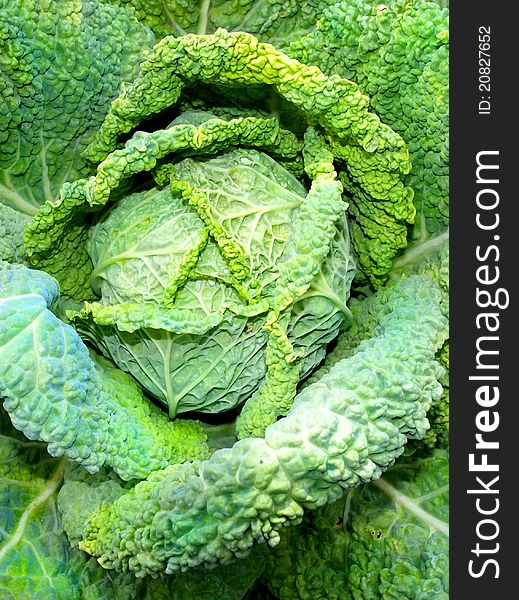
(50, 488)
(411, 505)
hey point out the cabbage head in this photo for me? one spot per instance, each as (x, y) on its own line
(186, 275)
(209, 255)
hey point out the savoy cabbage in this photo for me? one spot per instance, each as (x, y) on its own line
(224, 299)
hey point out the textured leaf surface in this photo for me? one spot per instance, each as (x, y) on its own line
(271, 20)
(214, 369)
(251, 201)
(307, 246)
(86, 410)
(398, 54)
(185, 298)
(83, 493)
(239, 59)
(56, 241)
(248, 298)
(36, 560)
(388, 539)
(145, 248)
(323, 310)
(12, 226)
(342, 431)
(62, 64)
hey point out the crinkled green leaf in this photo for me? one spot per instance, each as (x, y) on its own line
(12, 226)
(323, 309)
(307, 246)
(86, 410)
(342, 431)
(398, 54)
(36, 560)
(238, 58)
(271, 20)
(56, 241)
(210, 370)
(249, 201)
(189, 319)
(151, 256)
(61, 63)
(388, 539)
(83, 493)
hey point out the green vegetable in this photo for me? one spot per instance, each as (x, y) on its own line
(270, 20)
(12, 225)
(398, 54)
(224, 300)
(62, 64)
(341, 431)
(388, 539)
(55, 391)
(36, 560)
(200, 277)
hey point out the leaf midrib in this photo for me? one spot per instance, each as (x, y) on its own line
(412, 506)
(49, 489)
